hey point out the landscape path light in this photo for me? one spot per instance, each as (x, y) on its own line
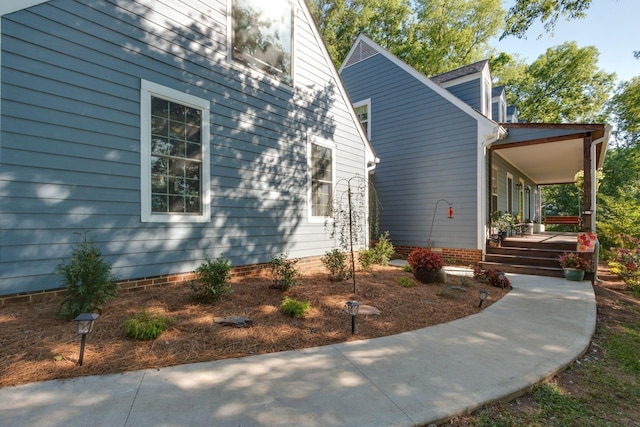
(483, 296)
(85, 325)
(352, 309)
(501, 279)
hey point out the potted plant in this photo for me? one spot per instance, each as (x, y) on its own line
(425, 264)
(574, 265)
(503, 222)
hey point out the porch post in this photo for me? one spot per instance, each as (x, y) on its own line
(587, 212)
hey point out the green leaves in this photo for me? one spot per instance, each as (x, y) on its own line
(87, 279)
(564, 85)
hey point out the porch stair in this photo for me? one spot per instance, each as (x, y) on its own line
(523, 257)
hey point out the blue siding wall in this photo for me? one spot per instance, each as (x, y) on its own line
(470, 92)
(70, 153)
(505, 168)
(428, 151)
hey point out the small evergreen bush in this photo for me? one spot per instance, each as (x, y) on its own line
(87, 279)
(336, 262)
(295, 308)
(406, 282)
(212, 280)
(366, 258)
(145, 326)
(383, 249)
(284, 272)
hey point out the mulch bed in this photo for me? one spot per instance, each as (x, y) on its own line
(36, 346)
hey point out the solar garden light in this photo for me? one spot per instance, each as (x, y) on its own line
(85, 325)
(483, 296)
(352, 309)
(501, 278)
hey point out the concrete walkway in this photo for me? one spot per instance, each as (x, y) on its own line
(409, 379)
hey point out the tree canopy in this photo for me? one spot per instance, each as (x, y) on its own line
(524, 13)
(433, 36)
(562, 85)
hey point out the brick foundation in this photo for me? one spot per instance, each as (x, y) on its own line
(451, 255)
(140, 284)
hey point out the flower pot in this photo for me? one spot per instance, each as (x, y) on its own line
(573, 274)
(426, 276)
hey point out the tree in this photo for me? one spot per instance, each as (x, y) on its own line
(433, 36)
(563, 85)
(625, 109)
(448, 34)
(341, 21)
(525, 12)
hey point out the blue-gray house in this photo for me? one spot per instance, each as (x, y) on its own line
(451, 141)
(170, 131)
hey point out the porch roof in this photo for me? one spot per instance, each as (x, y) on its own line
(550, 153)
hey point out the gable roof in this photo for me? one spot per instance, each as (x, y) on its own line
(364, 48)
(467, 70)
(497, 91)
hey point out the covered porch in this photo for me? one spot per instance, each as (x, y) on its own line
(529, 157)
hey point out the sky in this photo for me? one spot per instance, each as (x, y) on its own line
(612, 26)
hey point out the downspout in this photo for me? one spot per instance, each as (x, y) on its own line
(594, 182)
(605, 137)
(499, 133)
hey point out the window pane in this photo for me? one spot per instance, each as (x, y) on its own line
(176, 136)
(321, 180)
(262, 36)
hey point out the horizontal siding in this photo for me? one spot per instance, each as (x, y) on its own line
(71, 150)
(428, 151)
(470, 92)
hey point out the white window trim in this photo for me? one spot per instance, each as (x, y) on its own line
(147, 89)
(257, 74)
(366, 102)
(509, 189)
(328, 144)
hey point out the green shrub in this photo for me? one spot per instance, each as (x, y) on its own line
(366, 258)
(406, 282)
(336, 262)
(295, 308)
(212, 280)
(383, 249)
(87, 279)
(284, 272)
(407, 269)
(145, 326)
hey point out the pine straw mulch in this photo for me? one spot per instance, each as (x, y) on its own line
(35, 346)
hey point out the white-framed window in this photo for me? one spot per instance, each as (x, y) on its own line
(262, 36)
(510, 194)
(321, 163)
(363, 111)
(494, 189)
(174, 155)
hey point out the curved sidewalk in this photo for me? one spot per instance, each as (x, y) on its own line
(410, 379)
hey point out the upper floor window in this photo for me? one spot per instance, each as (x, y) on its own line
(363, 111)
(263, 36)
(174, 155)
(321, 162)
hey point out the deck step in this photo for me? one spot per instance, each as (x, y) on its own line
(523, 269)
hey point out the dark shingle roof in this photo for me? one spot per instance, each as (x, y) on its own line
(496, 91)
(460, 72)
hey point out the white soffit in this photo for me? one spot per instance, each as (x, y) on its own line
(547, 163)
